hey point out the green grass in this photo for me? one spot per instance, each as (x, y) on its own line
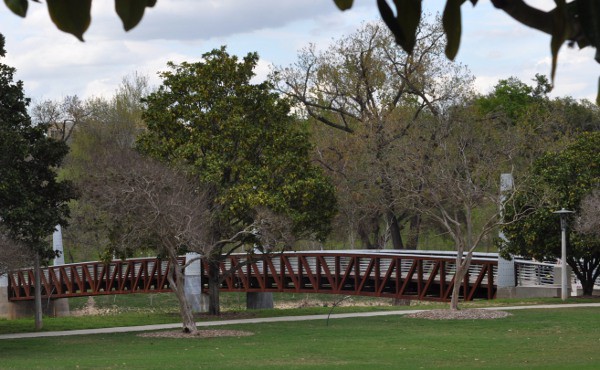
(544, 339)
(147, 309)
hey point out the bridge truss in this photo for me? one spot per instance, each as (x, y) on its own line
(375, 273)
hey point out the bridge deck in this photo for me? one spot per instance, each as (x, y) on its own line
(394, 275)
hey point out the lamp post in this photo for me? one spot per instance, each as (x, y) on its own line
(563, 249)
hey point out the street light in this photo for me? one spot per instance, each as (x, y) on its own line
(563, 228)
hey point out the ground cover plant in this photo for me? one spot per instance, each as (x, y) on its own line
(535, 338)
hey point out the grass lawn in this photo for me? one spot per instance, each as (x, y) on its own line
(557, 338)
(148, 309)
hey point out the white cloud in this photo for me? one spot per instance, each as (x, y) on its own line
(53, 64)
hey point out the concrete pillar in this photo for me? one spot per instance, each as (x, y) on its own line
(558, 271)
(506, 268)
(57, 245)
(60, 306)
(193, 284)
(13, 310)
(256, 300)
(4, 303)
(16, 310)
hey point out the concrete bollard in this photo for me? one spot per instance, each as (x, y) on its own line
(256, 300)
(506, 268)
(193, 284)
(60, 306)
(4, 303)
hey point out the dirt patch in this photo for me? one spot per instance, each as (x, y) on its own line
(468, 314)
(198, 334)
(304, 303)
(90, 309)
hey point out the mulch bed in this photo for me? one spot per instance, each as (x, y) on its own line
(467, 314)
(198, 334)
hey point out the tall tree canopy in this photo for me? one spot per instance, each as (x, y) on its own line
(106, 125)
(245, 148)
(32, 201)
(560, 179)
(573, 22)
(541, 124)
(366, 99)
(240, 139)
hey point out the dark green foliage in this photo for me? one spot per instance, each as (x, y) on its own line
(560, 179)
(241, 142)
(32, 201)
(510, 96)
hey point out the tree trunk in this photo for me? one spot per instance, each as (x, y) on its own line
(413, 232)
(463, 262)
(38, 293)
(587, 273)
(458, 279)
(364, 233)
(176, 279)
(395, 231)
(588, 287)
(214, 305)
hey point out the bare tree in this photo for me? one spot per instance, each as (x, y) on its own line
(588, 221)
(152, 207)
(12, 254)
(163, 211)
(461, 190)
(61, 117)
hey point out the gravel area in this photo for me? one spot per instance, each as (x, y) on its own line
(467, 314)
(198, 334)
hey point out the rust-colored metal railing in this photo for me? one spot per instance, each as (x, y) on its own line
(144, 275)
(376, 274)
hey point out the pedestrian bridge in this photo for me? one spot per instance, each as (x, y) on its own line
(421, 275)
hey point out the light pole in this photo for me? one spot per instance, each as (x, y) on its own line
(563, 249)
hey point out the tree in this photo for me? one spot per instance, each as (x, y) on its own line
(512, 99)
(541, 124)
(461, 191)
(114, 121)
(243, 145)
(13, 254)
(32, 200)
(148, 206)
(61, 118)
(365, 97)
(573, 22)
(588, 222)
(142, 206)
(561, 179)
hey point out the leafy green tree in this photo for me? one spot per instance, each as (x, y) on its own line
(559, 180)
(32, 201)
(512, 98)
(243, 145)
(540, 124)
(573, 22)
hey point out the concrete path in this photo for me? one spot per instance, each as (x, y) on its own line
(126, 329)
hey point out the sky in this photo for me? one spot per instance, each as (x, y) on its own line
(53, 64)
